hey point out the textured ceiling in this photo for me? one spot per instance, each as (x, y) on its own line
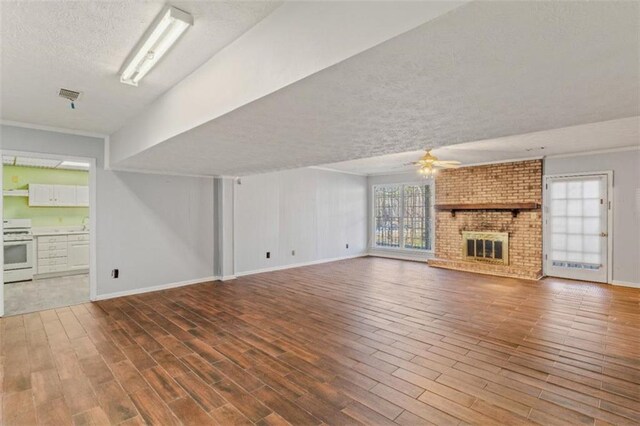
(485, 70)
(612, 134)
(81, 45)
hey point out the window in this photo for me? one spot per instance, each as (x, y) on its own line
(387, 211)
(402, 215)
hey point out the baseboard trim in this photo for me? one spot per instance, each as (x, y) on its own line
(401, 256)
(154, 288)
(227, 278)
(626, 284)
(298, 265)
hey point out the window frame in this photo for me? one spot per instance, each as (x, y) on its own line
(372, 205)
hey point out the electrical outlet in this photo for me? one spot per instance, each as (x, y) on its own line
(115, 273)
(268, 255)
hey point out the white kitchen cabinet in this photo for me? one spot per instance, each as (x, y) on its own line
(65, 195)
(42, 195)
(78, 255)
(82, 196)
(62, 254)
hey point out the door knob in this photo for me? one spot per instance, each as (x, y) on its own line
(604, 234)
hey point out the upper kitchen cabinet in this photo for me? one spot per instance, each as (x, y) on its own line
(41, 195)
(65, 195)
(82, 196)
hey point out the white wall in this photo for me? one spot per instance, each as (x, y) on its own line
(156, 229)
(314, 212)
(626, 204)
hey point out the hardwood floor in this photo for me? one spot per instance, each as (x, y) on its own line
(368, 340)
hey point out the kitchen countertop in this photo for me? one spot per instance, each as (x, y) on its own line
(48, 232)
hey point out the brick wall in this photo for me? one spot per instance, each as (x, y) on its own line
(496, 183)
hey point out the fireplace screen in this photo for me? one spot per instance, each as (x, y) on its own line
(491, 247)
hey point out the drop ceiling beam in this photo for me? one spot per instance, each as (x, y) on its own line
(297, 40)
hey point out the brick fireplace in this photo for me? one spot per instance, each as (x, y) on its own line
(497, 199)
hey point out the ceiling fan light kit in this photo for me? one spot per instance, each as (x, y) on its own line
(429, 164)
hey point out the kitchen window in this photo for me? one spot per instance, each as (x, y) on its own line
(402, 216)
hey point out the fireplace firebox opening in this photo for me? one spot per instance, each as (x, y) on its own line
(490, 247)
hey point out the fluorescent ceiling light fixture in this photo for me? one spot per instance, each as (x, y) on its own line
(75, 164)
(37, 162)
(161, 35)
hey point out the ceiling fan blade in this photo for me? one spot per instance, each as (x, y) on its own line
(447, 162)
(413, 163)
(448, 166)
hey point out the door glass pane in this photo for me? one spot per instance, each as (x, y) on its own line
(591, 226)
(574, 208)
(559, 225)
(591, 189)
(591, 208)
(15, 254)
(574, 189)
(576, 222)
(574, 225)
(559, 190)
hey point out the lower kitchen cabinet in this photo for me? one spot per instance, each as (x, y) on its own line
(78, 255)
(62, 254)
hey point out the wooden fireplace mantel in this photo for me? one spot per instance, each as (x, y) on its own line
(514, 208)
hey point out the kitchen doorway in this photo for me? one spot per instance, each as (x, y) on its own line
(578, 226)
(48, 231)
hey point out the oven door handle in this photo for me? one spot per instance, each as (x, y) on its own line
(17, 243)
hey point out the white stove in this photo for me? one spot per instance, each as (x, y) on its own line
(18, 250)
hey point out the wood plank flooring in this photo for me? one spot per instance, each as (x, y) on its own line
(369, 340)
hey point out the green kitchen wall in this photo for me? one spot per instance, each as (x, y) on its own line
(19, 177)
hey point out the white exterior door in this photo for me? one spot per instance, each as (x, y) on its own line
(576, 227)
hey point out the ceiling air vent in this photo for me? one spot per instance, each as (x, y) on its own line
(69, 94)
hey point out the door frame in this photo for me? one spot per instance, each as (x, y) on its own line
(93, 215)
(545, 216)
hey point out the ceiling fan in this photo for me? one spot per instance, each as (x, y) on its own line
(429, 163)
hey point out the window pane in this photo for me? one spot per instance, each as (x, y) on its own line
(416, 217)
(402, 216)
(387, 216)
